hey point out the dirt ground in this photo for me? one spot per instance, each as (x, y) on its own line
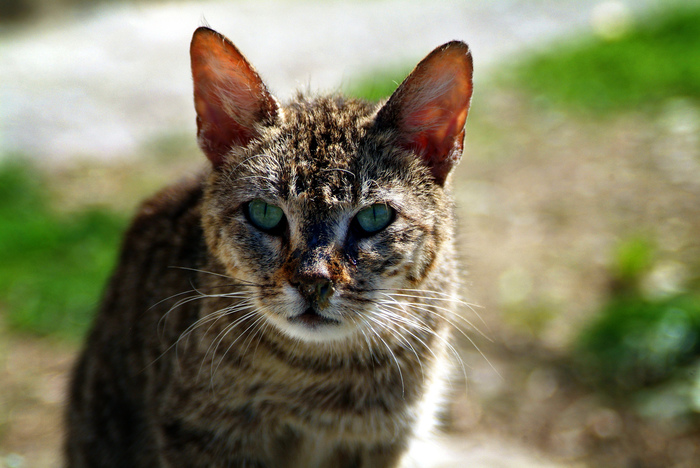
(542, 201)
(33, 377)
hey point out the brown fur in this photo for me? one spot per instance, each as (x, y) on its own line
(315, 345)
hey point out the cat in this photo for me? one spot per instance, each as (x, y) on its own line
(291, 305)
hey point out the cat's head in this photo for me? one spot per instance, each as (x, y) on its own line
(333, 211)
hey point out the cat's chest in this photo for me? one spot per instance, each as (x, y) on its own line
(284, 432)
(297, 416)
(260, 391)
(295, 448)
(291, 449)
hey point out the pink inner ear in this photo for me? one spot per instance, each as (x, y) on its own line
(431, 107)
(438, 137)
(230, 98)
(217, 131)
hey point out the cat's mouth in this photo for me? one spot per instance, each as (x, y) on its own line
(311, 318)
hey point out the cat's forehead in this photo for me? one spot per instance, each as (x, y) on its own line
(317, 149)
(324, 156)
(323, 131)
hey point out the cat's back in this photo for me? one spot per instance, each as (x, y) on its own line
(165, 233)
(160, 254)
(166, 218)
(161, 250)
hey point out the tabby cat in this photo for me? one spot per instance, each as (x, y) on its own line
(291, 305)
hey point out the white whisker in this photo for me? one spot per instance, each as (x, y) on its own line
(405, 340)
(391, 353)
(432, 332)
(450, 311)
(252, 325)
(433, 309)
(222, 334)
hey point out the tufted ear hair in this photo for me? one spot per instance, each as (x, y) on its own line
(230, 98)
(429, 109)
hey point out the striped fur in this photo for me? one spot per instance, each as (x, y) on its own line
(196, 357)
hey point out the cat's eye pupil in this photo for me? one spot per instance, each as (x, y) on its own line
(263, 215)
(375, 217)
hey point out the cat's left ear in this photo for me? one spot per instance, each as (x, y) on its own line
(230, 98)
(429, 109)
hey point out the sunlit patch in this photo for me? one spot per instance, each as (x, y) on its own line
(611, 20)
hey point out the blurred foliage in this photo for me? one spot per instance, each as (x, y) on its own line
(656, 59)
(633, 258)
(52, 266)
(637, 342)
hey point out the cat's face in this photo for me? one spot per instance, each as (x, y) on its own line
(324, 221)
(330, 211)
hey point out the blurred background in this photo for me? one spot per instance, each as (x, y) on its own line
(578, 199)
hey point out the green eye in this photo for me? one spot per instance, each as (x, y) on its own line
(263, 215)
(374, 218)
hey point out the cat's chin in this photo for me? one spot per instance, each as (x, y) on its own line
(310, 326)
(311, 319)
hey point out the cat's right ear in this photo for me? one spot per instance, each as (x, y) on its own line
(230, 98)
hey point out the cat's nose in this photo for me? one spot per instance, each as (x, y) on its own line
(318, 291)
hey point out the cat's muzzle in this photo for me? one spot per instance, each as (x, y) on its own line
(318, 293)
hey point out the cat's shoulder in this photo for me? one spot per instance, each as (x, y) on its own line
(168, 213)
(172, 201)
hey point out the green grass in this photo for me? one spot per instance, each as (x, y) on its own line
(657, 60)
(52, 265)
(636, 342)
